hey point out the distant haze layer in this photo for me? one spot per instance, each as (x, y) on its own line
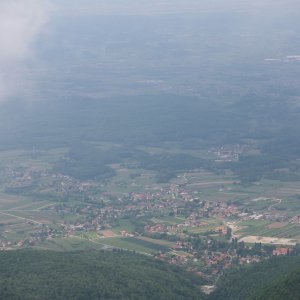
(21, 21)
(143, 7)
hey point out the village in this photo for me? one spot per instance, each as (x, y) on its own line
(202, 235)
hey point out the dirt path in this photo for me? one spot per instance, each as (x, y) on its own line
(17, 217)
(26, 205)
(48, 205)
(272, 205)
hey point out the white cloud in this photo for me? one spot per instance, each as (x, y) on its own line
(21, 21)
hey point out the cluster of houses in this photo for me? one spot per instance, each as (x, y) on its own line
(6, 245)
(229, 153)
(173, 200)
(59, 184)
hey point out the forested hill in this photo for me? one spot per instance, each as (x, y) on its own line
(274, 279)
(92, 275)
(287, 288)
(109, 275)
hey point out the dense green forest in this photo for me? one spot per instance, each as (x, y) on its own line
(29, 274)
(277, 278)
(92, 275)
(287, 288)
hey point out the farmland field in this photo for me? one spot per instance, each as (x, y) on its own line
(34, 196)
(134, 244)
(267, 229)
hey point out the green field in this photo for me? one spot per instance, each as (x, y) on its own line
(68, 244)
(264, 228)
(125, 225)
(133, 244)
(168, 220)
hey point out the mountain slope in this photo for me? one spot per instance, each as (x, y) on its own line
(91, 275)
(287, 288)
(249, 282)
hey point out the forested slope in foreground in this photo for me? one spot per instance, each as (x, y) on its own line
(274, 279)
(92, 275)
(287, 288)
(109, 275)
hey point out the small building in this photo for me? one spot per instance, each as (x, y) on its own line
(282, 251)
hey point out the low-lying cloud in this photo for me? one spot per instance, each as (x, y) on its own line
(21, 21)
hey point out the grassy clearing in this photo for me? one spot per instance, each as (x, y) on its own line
(200, 229)
(253, 227)
(131, 180)
(19, 232)
(290, 204)
(8, 220)
(168, 220)
(11, 201)
(70, 244)
(260, 205)
(133, 244)
(22, 158)
(208, 225)
(262, 228)
(149, 244)
(155, 241)
(124, 225)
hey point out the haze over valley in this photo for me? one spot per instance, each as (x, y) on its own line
(165, 133)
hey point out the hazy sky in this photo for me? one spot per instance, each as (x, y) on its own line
(120, 7)
(22, 21)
